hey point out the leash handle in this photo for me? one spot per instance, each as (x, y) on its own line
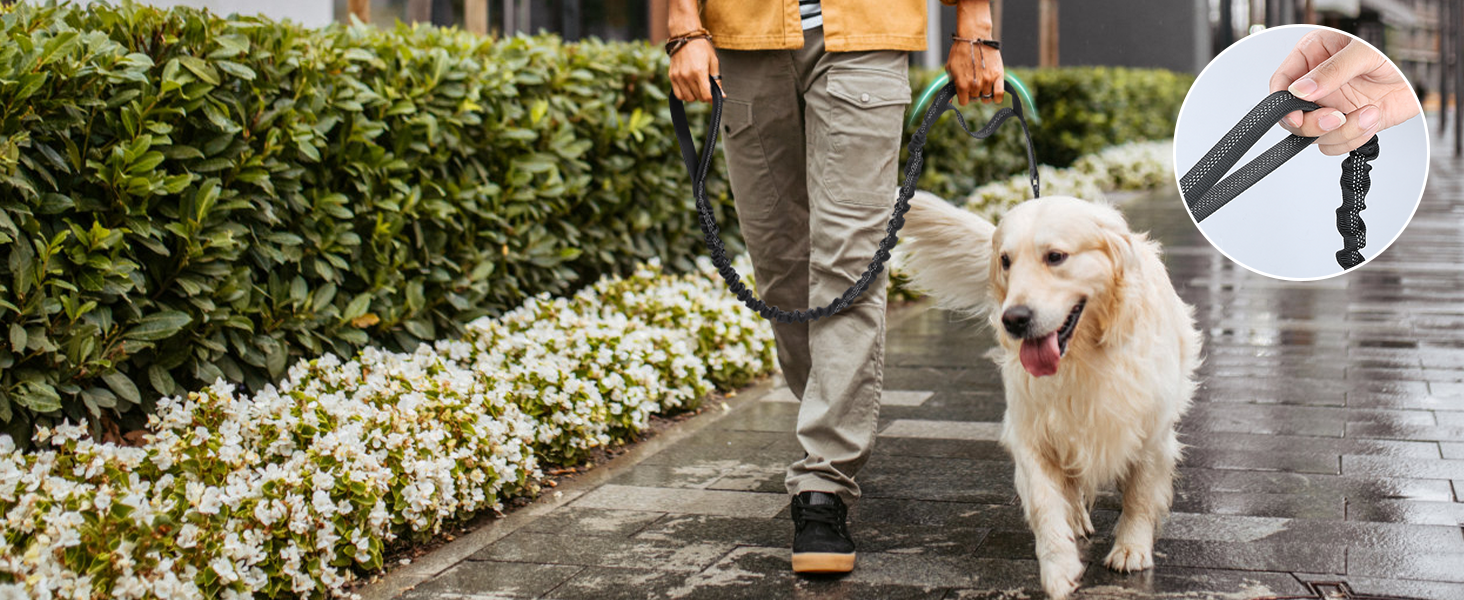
(1203, 189)
(1205, 192)
(698, 165)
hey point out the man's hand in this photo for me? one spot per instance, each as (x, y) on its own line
(973, 80)
(1360, 91)
(691, 68)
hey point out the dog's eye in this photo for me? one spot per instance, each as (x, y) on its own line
(1055, 258)
(1006, 262)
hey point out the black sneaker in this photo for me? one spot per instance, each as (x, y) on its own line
(821, 542)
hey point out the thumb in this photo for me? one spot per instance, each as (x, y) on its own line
(1354, 60)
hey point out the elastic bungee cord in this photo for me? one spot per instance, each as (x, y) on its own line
(1205, 192)
(698, 166)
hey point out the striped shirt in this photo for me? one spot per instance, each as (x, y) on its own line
(811, 12)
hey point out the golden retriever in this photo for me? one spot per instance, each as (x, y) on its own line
(1097, 356)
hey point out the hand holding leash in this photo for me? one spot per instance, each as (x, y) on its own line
(699, 165)
(693, 65)
(1361, 93)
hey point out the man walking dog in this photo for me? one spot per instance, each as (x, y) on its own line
(815, 94)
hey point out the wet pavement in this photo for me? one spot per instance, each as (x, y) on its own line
(1325, 460)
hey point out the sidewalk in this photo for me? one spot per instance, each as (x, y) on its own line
(1326, 459)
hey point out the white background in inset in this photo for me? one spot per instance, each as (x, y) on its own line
(1285, 226)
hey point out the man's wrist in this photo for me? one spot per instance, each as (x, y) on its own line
(684, 27)
(973, 19)
(682, 18)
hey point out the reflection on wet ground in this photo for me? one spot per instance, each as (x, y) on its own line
(1326, 458)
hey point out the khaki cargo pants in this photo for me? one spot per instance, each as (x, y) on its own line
(812, 144)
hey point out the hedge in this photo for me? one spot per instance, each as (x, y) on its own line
(1081, 110)
(187, 197)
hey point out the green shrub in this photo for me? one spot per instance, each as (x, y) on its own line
(1082, 111)
(185, 197)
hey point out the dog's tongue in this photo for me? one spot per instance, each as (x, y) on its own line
(1040, 356)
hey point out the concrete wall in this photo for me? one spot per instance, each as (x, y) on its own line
(1170, 34)
(313, 13)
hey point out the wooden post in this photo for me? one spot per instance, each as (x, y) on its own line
(996, 19)
(1227, 24)
(1444, 50)
(419, 11)
(1456, 41)
(475, 16)
(1047, 55)
(660, 12)
(361, 9)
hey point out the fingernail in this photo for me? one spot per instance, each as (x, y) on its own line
(1331, 121)
(1294, 120)
(1302, 88)
(1368, 118)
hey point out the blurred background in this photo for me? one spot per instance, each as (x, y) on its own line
(1422, 36)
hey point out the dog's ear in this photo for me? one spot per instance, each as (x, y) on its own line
(1119, 243)
(1120, 309)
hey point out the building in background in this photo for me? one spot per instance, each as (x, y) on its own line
(1168, 34)
(572, 19)
(1408, 31)
(1424, 37)
(313, 13)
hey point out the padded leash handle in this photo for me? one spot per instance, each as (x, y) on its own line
(699, 165)
(1205, 192)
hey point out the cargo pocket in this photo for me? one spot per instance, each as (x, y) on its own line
(865, 131)
(747, 162)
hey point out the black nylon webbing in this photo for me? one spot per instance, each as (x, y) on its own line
(698, 166)
(1205, 192)
(1355, 184)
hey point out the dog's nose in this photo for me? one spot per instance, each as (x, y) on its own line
(1016, 320)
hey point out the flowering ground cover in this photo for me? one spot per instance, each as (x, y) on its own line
(295, 490)
(1125, 167)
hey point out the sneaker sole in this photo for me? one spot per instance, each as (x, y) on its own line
(823, 562)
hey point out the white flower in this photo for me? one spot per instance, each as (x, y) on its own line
(448, 427)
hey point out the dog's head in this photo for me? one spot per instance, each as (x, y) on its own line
(1058, 266)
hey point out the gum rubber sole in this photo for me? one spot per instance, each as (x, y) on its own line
(823, 562)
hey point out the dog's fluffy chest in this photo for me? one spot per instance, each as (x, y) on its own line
(1090, 428)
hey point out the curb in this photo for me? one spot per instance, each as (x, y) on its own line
(487, 529)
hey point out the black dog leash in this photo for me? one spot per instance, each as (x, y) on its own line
(698, 166)
(1206, 193)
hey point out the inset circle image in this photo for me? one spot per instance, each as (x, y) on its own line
(1301, 152)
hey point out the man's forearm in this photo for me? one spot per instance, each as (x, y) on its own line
(683, 16)
(973, 19)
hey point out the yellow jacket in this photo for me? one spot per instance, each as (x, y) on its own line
(848, 25)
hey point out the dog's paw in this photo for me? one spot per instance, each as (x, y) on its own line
(1060, 575)
(1127, 558)
(1084, 526)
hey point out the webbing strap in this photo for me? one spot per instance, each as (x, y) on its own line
(1355, 184)
(1205, 192)
(699, 166)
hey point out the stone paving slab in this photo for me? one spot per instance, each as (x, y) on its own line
(689, 501)
(888, 398)
(595, 551)
(1325, 456)
(943, 430)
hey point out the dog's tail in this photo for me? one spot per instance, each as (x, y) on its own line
(948, 254)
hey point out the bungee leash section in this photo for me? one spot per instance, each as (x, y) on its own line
(699, 166)
(1205, 192)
